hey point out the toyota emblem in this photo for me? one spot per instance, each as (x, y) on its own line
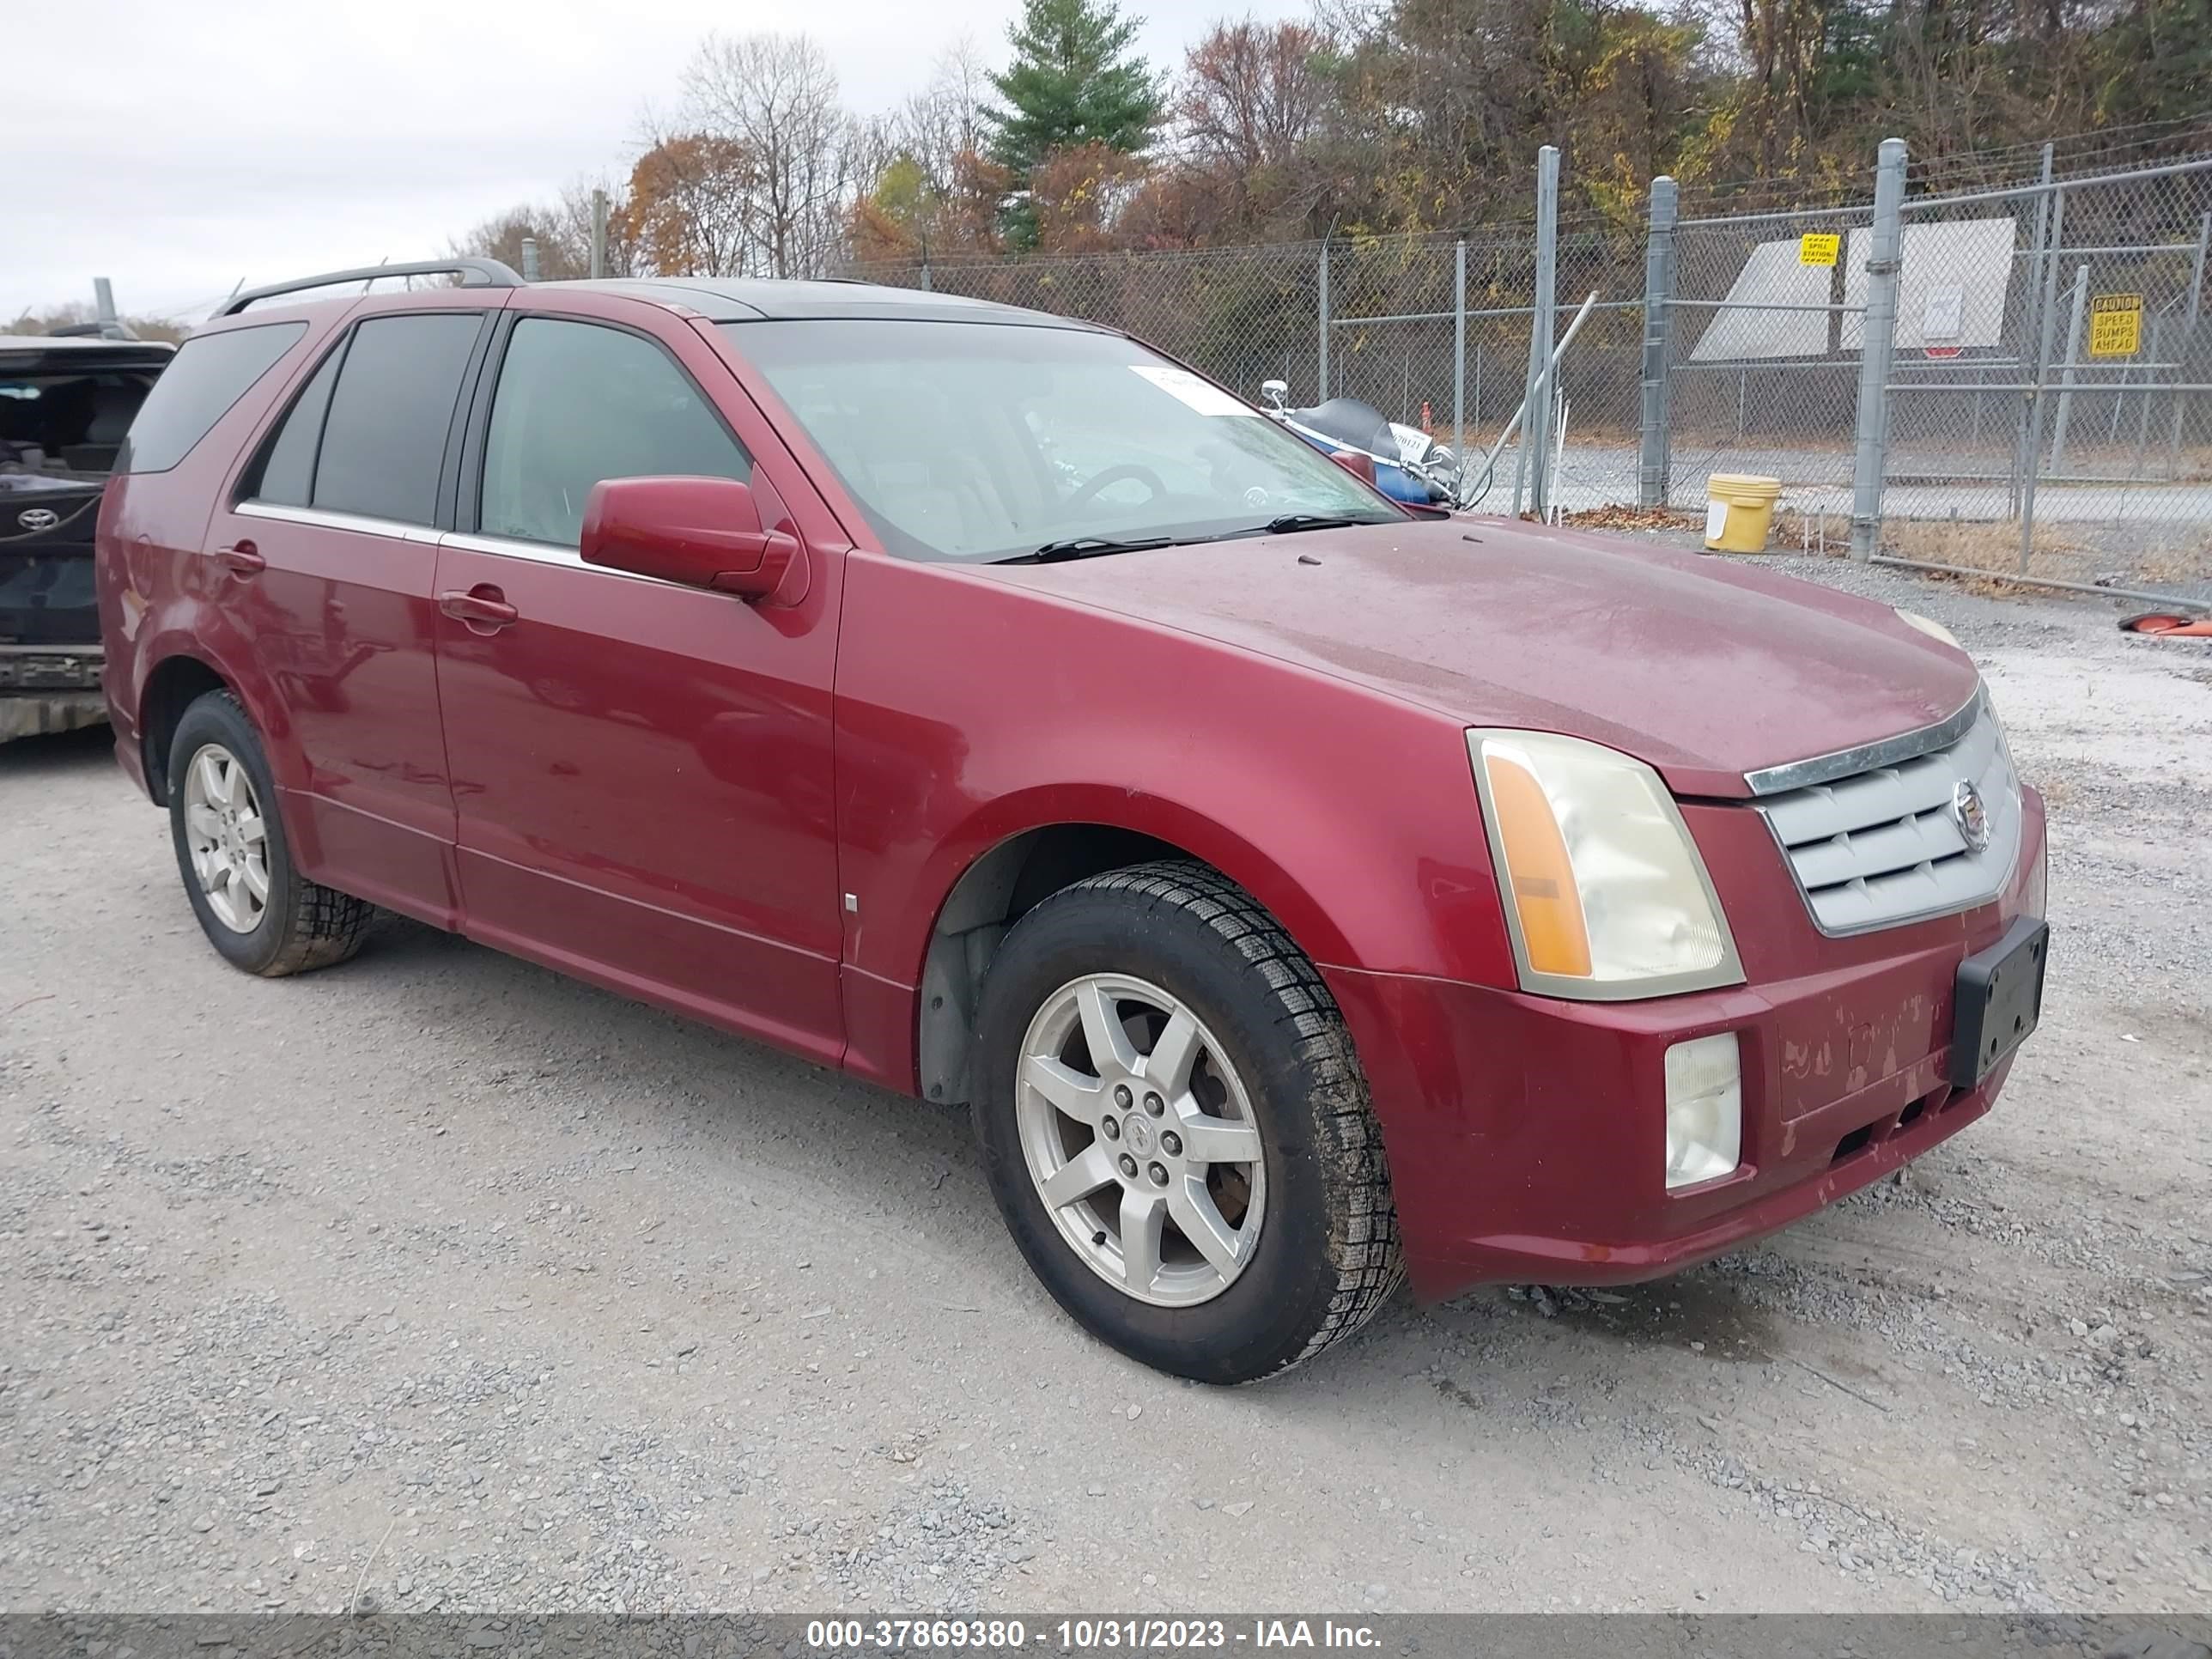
(35, 518)
(1971, 816)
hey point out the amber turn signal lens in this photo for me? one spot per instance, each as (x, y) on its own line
(1553, 930)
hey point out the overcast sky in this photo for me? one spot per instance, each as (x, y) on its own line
(178, 148)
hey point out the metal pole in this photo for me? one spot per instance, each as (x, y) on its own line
(1877, 346)
(598, 235)
(530, 258)
(2023, 455)
(1505, 437)
(103, 299)
(2189, 334)
(1323, 388)
(2048, 311)
(1529, 456)
(1459, 347)
(2173, 599)
(2066, 379)
(1652, 461)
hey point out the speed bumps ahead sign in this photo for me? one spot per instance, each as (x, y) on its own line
(2115, 325)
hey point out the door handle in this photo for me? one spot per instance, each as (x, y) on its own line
(481, 606)
(242, 559)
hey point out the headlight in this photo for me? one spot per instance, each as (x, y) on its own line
(1932, 629)
(1605, 895)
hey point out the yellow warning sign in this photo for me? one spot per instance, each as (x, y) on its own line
(1819, 247)
(2115, 325)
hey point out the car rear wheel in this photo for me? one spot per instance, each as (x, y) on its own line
(1177, 1129)
(255, 909)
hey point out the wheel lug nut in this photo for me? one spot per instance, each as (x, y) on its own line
(1121, 1095)
(1110, 1129)
(1159, 1174)
(1128, 1164)
(1171, 1144)
(1154, 1105)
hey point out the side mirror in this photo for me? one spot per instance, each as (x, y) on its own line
(1358, 462)
(1277, 392)
(702, 532)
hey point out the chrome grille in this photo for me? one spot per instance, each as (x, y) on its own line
(1876, 848)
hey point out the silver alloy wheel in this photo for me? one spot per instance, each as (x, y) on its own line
(1142, 1139)
(227, 837)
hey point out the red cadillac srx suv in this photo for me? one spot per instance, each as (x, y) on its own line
(1298, 892)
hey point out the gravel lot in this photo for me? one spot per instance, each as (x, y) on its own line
(440, 1282)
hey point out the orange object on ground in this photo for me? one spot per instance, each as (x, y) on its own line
(2165, 622)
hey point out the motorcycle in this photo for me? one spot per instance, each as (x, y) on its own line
(1410, 465)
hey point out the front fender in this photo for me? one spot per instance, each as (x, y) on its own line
(1351, 814)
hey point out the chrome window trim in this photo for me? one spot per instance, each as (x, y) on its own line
(537, 552)
(322, 519)
(565, 558)
(1888, 751)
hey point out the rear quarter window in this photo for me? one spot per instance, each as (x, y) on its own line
(210, 373)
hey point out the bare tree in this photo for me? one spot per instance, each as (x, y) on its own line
(775, 98)
(1252, 94)
(943, 122)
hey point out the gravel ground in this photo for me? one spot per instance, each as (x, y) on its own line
(437, 1281)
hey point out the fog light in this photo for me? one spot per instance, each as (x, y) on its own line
(1704, 1109)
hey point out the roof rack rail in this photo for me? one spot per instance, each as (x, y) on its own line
(473, 273)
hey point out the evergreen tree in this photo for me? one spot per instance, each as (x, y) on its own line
(1073, 82)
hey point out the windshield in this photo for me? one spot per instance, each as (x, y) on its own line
(988, 440)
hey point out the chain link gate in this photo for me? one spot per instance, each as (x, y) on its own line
(2044, 408)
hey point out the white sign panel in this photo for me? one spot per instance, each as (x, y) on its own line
(1971, 260)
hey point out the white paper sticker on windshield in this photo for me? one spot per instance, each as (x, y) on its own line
(1203, 396)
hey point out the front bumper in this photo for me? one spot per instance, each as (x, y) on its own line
(49, 688)
(1527, 1135)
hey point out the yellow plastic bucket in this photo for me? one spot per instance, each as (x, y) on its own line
(1738, 511)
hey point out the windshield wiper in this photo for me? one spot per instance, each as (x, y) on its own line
(1085, 547)
(1289, 522)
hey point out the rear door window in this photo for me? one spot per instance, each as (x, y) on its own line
(391, 409)
(210, 373)
(577, 403)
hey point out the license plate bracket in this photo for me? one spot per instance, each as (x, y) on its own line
(1998, 1000)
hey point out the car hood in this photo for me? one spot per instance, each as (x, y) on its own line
(1704, 668)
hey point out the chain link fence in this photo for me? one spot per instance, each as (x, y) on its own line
(2047, 406)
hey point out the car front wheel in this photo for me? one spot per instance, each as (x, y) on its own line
(1176, 1127)
(255, 909)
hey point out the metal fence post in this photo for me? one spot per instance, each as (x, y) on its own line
(2066, 373)
(2055, 238)
(598, 235)
(1458, 346)
(1321, 392)
(530, 258)
(1877, 346)
(2023, 461)
(1530, 454)
(2189, 337)
(1651, 468)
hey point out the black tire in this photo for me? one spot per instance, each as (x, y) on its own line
(1328, 1254)
(305, 925)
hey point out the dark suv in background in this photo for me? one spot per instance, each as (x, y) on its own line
(65, 404)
